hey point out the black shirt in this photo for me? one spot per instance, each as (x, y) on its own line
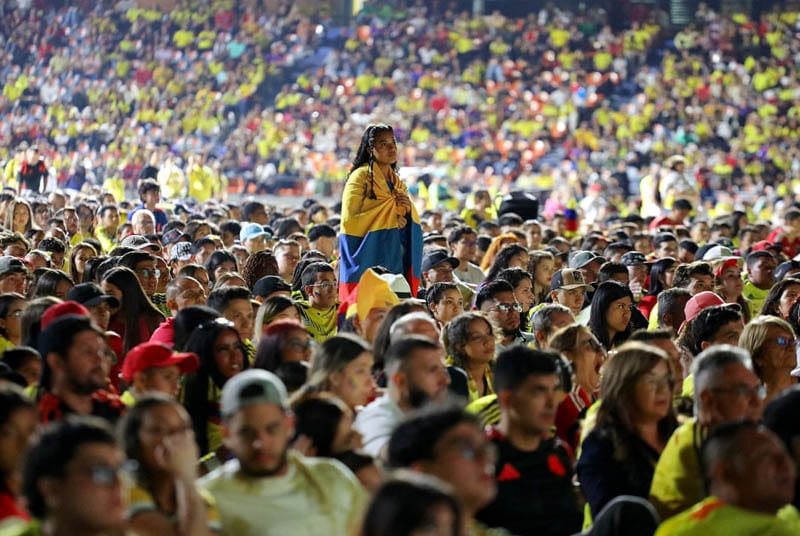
(535, 494)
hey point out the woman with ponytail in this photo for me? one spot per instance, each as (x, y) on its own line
(380, 225)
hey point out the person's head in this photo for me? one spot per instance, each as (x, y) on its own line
(52, 283)
(548, 320)
(197, 272)
(234, 304)
(746, 465)
(415, 371)
(414, 323)
(771, 343)
(541, 266)
(287, 255)
(12, 306)
(149, 192)
(143, 265)
(463, 242)
(438, 266)
(99, 304)
(782, 296)
(18, 421)
(636, 388)
(412, 505)
(154, 367)
(761, 269)
(184, 292)
(378, 145)
(342, 365)
(320, 285)
(57, 250)
(254, 211)
(579, 345)
(220, 349)
(78, 257)
(665, 245)
(695, 277)
(496, 300)
(528, 387)
(108, 216)
(218, 263)
(25, 362)
(273, 309)
(511, 256)
(327, 422)
(13, 275)
(522, 283)
(725, 386)
(186, 320)
(71, 477)
(469, 340)
(615, 271)
(662, 275)
(718, 324)
(567, 288)
(611, 312)
(444, 301)
(76, 356)
(322, 237)
(257, 425)
(148, 427)
(19, 216)
(283, 341)
(143, 222)
(448, 443)
(671, 305)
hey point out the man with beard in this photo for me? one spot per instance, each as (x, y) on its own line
(267, 489)
(415, 373)
(75, 369)
(497, 302)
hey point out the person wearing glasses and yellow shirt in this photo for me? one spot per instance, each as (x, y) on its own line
(319, 312)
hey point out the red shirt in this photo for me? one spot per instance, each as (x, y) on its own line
(568, 413)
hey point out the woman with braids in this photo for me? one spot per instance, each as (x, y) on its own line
(380, 225)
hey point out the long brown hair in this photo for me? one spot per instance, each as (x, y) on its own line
(620, 375)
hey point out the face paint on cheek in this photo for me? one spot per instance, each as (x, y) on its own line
(353, 383)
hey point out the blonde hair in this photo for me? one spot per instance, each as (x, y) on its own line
(755, 333)
(494, 248)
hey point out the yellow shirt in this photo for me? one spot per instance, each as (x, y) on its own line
(712, 517)
(139, 501)
(316, 496)
(677, 480)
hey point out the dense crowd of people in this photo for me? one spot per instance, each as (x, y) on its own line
(423, 355)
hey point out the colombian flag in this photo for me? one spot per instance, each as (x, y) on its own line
(370, 235)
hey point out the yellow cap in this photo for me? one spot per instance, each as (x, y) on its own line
(373, 291)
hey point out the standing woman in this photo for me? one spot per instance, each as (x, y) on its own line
(380, 226)
(634, 421)
(610, 315)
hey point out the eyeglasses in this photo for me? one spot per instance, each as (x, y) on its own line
(480, 338)
(508, 307)
(327, 285)
(744, 390)
(786, 342)
(107, 475)
(654, 384)
(300, 345)
(485, 451)
(147, 274)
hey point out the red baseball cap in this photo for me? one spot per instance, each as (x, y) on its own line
(700, 301)
(765, 245)
(62, 309)
(154, 354)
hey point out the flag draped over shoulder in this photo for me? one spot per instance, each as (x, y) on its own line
(370, 234)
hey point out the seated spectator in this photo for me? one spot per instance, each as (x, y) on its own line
(669, 311)
(444, 302)
(283, 341)
(496, 300)
(523, 291)
(11, 307)
(782, 296)
(342, 366)
(610, 316)
(415, 373)
(772, 344)
(153, 367)
(567, 288)
(447, 443)
(410, 504)
(72, 479)
(25, 361)
(725, 390)
(586, 354)
(530, 462)
(751, 480)
(182, 292)
(266, 484)
(136, 318)
(99, 305)
(156, 433)
(233, 303)
(634, 421)
(18, 421)
(547, 320)
(469, 340)
(271, 285)
(463, 243)
(320, 287)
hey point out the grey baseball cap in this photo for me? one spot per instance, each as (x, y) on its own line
(251, 387)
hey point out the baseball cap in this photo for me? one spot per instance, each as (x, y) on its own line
(436, 256)
(155, 354)
(251, 387)
(759, 253)
(10, 265)
(784, 268)
(582, 258)
(569, 279)
(372, 292)
(139, 242)
(62, 309)
(398, 285)
(765, 245)
(700, 301)
(251, 230)
(717, 252)
(632, 258)
(182, 251)
(555, 252)
(269, 284)
(90, 295)
(171, 237)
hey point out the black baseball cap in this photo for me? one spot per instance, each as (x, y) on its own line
(436, 256)
(91, 295)
(269, 284)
